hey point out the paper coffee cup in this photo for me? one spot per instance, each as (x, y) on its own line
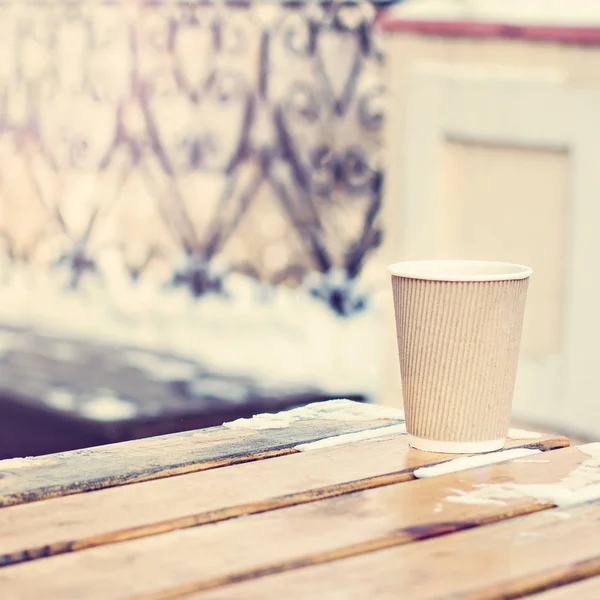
(459, 329)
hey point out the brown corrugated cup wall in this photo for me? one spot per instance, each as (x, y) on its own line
(458, 343)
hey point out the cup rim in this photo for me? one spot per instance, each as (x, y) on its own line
(459, 270)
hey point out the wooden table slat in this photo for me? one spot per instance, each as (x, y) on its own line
(587, 589)
(135, 461)
(507, 560)
(290, 541)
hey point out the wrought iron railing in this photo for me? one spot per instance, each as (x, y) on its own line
(186, 141)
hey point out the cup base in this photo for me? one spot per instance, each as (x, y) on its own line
(455, 447)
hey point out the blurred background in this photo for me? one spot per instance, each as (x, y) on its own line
(198, 201)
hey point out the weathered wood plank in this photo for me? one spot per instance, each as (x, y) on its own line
(587, 589)
(164, 456)
(181, 562)
(504, 561)
(103, 517)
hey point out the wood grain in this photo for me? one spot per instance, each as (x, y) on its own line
(153, 507)
(504, 561)
(587, 589)
(181, 562)
(163, 456)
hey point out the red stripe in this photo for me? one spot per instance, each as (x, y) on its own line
(541, 33)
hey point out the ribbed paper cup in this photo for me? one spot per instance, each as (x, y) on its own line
(459, 330)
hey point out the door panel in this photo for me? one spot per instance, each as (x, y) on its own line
(500, 166)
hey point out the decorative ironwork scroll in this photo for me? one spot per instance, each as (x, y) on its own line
(187, 141)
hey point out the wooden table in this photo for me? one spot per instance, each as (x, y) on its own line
(244, 512)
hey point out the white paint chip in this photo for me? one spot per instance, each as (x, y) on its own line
(340, 409)
(470, 462)
(357, 436)
(523, 434)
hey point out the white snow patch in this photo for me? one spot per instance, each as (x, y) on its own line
(470, 462)
(25, 463)
(108, 408)
(60, 399)
(466, 498)
(229, 391)
(349, 438)
(340, 409)
(581, 485)
(65, 352)
(563, 515)
(592, 450)
(158, 367)
(523, 434)
(290, 339)
(8, 341)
